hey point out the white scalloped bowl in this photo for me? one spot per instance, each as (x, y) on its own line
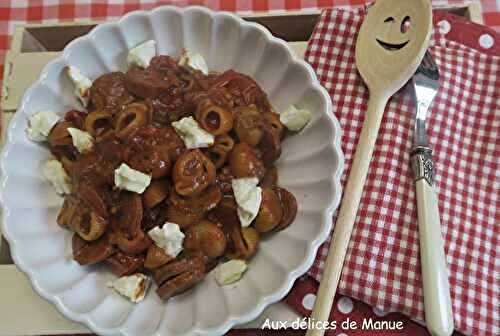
(310, 167)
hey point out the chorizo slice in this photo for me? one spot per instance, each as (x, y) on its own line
(244, 242)
(89, 253)
(289, 206)
(270, 212)
(122, 264)
(156, 257)
(180, 283)
(146, 83)
(244, 162)
(177, 267)
(109, 93)
(207, 238)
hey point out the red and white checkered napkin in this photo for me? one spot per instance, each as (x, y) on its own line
(382, 266)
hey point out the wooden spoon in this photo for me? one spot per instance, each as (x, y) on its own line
(391, 44)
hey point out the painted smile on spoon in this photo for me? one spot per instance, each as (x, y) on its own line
(391, 46)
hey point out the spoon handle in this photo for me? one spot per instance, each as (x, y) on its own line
(347, 214)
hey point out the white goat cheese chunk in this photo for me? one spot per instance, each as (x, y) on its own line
(40, 124)
(53, 171)
(169, 238)
(248, 197)
(192, 134)
(82, 84)
(230, 272)
(142, 54)
(295, 119)
(133, 287)
(82, 140)
(131, 179)
(193, 60)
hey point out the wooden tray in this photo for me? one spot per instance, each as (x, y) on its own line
(22, 311)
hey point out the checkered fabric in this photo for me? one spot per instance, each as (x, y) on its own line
(382, 265)
(15, 12)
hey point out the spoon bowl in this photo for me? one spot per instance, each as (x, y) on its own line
(392, 42)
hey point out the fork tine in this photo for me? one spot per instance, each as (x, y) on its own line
(429, 61)
(427, 72)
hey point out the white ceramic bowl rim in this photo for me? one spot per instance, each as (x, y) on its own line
(292, 276)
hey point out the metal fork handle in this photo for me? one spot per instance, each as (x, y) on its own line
(437, 300)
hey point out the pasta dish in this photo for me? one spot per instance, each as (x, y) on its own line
(169, 171)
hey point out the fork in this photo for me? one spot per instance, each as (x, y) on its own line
(437, 301)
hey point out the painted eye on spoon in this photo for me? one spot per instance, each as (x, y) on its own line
(405, 24)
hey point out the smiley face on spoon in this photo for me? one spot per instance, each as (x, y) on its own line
(392, 41)
(403, 27)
